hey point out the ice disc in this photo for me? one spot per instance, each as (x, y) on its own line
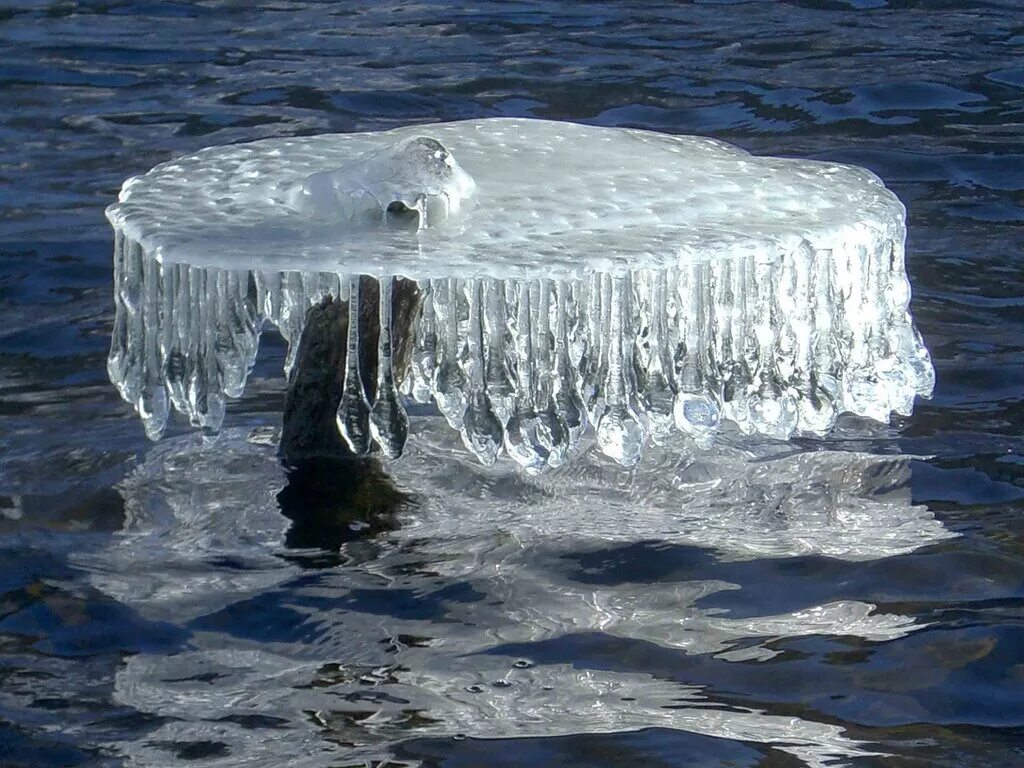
(569, 280)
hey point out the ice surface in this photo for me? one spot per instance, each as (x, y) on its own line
(574, 279)
(523, 197)
(508, 540)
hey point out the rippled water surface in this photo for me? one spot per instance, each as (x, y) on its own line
(856, 601)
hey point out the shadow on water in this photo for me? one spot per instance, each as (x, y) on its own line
(332, 497)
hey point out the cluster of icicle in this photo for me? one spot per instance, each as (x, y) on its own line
(524, 366)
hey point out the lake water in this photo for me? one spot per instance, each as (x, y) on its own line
(854, 601)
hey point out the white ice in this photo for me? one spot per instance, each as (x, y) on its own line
(536, 197)
(416, 174)
(573, 280)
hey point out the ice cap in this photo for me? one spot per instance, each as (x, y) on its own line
(546, 198)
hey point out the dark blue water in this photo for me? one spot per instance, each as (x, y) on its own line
(165, 606)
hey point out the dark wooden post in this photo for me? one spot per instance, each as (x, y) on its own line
(328, 487)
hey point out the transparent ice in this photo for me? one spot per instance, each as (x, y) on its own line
(417, 174)
(527, 367)
(572, 280)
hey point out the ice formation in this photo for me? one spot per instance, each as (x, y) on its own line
(416, 174)
(524, 366)
(572, 279)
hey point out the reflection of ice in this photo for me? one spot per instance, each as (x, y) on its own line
(748, 501)
(347, 679)
(353, 714)
(198, 532)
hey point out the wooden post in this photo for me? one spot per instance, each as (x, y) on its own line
(328, 487)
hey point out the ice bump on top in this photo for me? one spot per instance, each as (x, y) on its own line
(549, 197)
(416, 175)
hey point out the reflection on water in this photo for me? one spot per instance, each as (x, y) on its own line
(452, 589)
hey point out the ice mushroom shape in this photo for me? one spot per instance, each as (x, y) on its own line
(626, 282)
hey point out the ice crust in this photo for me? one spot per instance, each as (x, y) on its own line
(574, 280)
(535, 198)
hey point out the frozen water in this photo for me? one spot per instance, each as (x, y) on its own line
(415, 174)
(529, 367)
(572, 278)
(525, 197)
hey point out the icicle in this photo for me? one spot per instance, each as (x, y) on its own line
(248, 321)
(228, 347)
(696, 410)
(311, 294)
(329, 284)
(177, 327)
(905, 342)
(658, 396)
(522, 441)
(117, 360)
(588, 372)
(894, 369)
(152, 405)
(389, 423)
(481, 429)
(594, 363)
(498, 378)
(841, 325)
(294, 306)
(576, 322)
(127, 358)
(271, 305)
(826, 381)
(729, 309)
(815, 411)
(190, 331)
(424, 351)
(206, 386)
(567, 399)
(772, 407)
(353, 417)
(551, 426)
(868, 395)
(619, 431)
(449, 379)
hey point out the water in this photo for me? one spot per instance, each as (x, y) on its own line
(168, 605)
